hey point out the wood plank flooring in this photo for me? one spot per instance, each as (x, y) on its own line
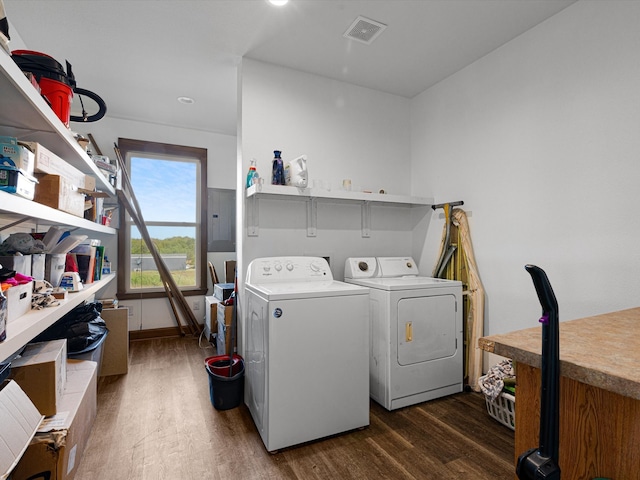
(157, 422)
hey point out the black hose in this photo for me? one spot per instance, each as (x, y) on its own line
(102, 107)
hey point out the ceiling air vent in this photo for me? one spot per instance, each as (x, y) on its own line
(364, 30)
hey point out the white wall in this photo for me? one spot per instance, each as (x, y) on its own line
(540, 139)
(346, 132)
(221, 173)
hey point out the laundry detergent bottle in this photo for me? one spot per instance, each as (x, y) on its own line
(277, 177)
(252, 175)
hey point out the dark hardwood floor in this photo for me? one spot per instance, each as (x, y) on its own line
(157, 422)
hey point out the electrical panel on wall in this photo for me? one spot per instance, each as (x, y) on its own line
(221, 209)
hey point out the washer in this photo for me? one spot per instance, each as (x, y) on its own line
(307, 351)
(416, 342)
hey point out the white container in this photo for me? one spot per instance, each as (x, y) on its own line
(295, 172)
(19, 263)
(37, 265)
(18, 300)
(54, 268)
(503, 409)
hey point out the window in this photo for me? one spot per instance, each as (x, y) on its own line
(169, 184)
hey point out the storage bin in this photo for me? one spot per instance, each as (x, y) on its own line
(18, 300)
(503, 409)
(54, 267)
(19, 263)
(37, 266)
(225, 391)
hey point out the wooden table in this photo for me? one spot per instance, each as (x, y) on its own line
(599, 392)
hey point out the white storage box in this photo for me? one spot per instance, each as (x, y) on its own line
(19, 263)
(37, 266)
(503, 409)
(18, 300)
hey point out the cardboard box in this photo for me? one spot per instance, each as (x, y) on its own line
(89, 183)
(18, 300)
(223, 342)
(222, 291)
(41, 373)
(115, 357)
(48, 162)
(211, 317)
(58, 192)
(19, 419)
(22, 157)
(57, 447)
(19, 263)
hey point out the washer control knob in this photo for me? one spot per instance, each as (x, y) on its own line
(290, 266)
(363, 266)
(278, 267)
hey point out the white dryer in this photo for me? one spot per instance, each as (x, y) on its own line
(416, 341)
(307, 351)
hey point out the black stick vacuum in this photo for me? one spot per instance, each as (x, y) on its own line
(542, 462)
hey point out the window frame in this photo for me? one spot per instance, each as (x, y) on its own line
(129, 147)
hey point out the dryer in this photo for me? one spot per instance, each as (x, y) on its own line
(307, 351)
(416, 333)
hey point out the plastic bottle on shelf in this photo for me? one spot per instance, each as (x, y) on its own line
(252, 175)
(277, 177)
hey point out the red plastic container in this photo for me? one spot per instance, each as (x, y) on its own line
(56, 85)
(219, 365)
(226, 389)
(60, 97)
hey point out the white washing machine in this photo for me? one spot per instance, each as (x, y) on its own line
(307, 351)
(416, 340)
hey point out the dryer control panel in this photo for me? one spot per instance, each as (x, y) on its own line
(288, 269)
(372, 267)
(361, 267)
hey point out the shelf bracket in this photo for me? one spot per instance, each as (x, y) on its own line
(366, 219)
(312, 217)
(253, 216)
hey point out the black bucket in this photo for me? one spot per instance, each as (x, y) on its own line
(225, 391)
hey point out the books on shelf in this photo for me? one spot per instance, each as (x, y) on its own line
(88, 258)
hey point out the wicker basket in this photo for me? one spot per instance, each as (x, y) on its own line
(503, 409)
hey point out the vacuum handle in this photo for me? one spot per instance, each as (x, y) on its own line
(545, 292)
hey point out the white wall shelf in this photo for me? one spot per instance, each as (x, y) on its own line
(26, 116)
(23, 329)
(313, 195)
(15, 208)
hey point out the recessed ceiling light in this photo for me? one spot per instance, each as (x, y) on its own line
(278, 3)
(186, 100)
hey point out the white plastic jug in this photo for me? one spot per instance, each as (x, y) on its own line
(296, 172)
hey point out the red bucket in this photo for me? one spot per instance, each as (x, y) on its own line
(56, 85)
(60, 97)
(219, 365)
